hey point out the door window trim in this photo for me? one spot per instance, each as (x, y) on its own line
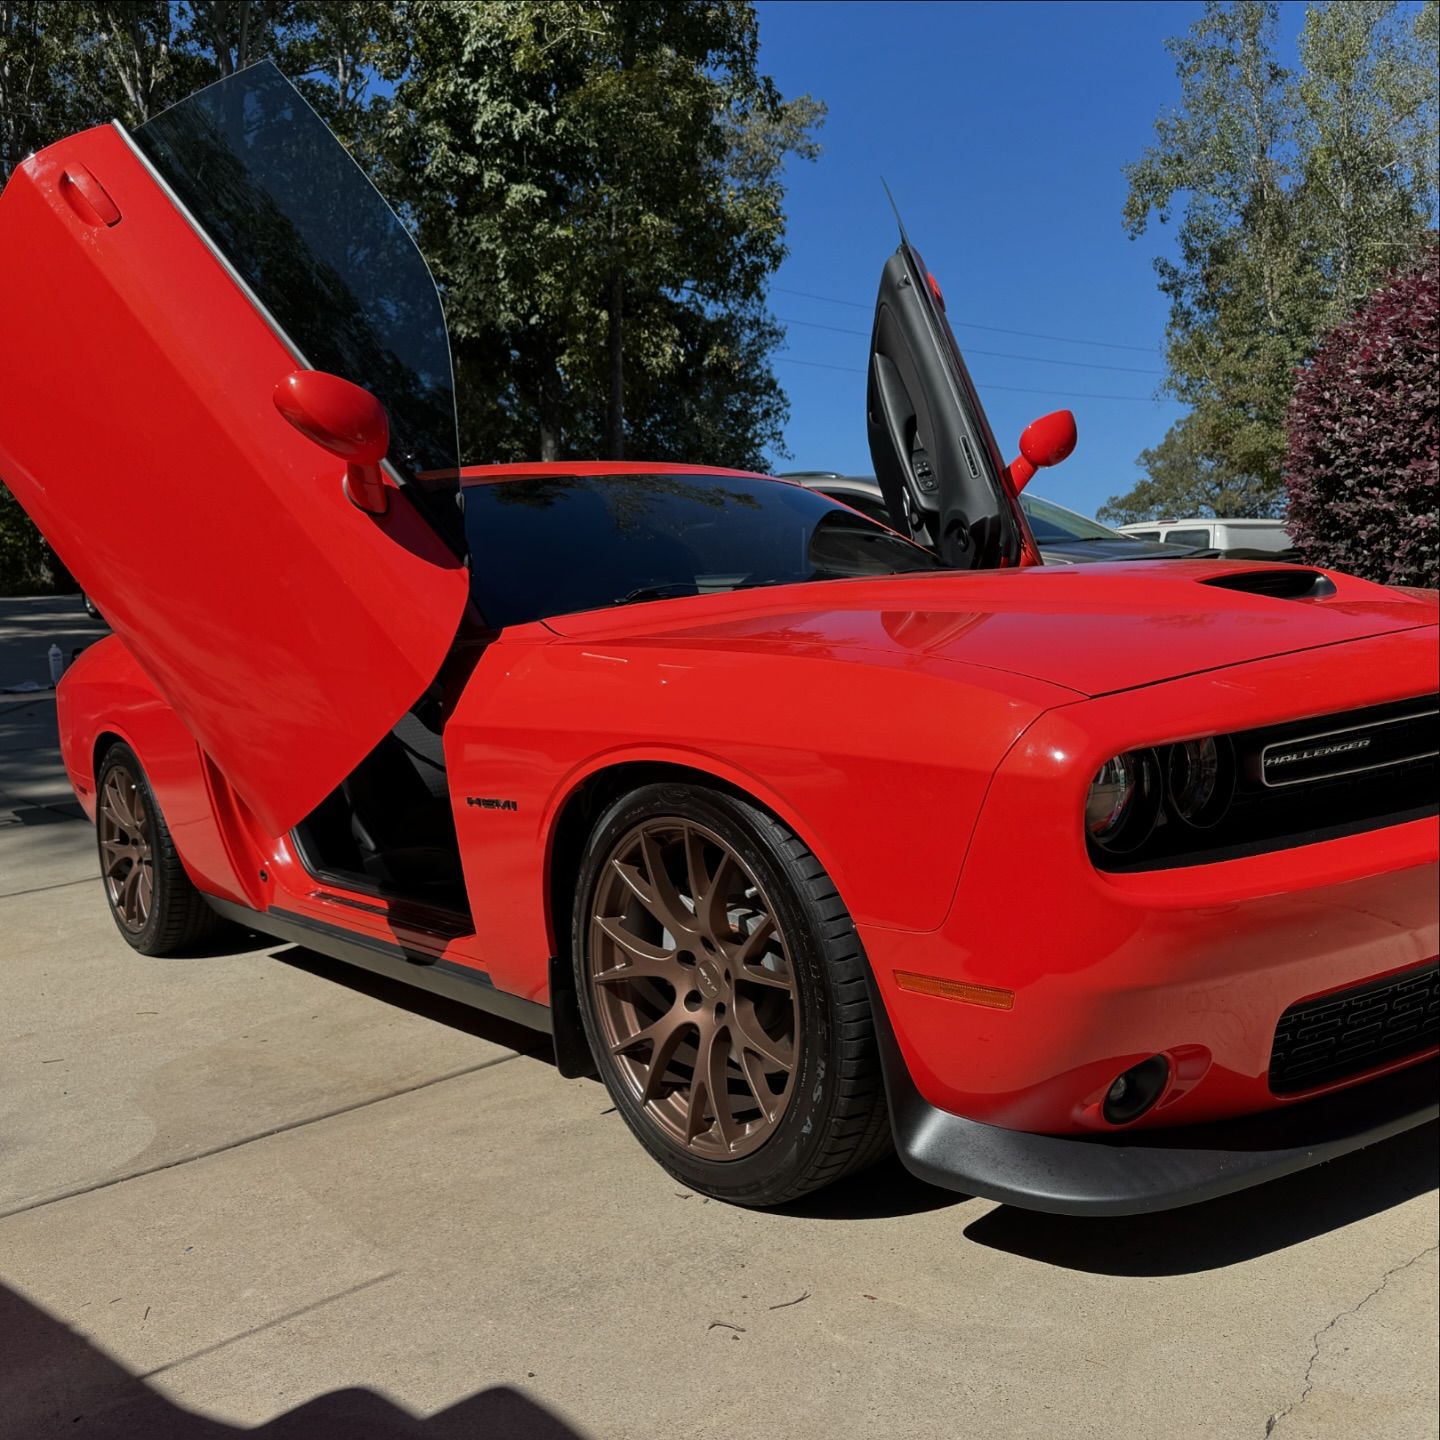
(239, 281)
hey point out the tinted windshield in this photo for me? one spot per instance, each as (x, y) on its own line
(1054, 523)
(281, 199)
(561, 543)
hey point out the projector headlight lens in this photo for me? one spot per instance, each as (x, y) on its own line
(1111, 793)
(1124, 801)
(1201, 780)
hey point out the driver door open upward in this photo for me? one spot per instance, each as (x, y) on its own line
(142, 347)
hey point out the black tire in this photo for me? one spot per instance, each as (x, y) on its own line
(177, 916)
(835, 1120)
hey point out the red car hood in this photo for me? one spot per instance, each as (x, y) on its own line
(1094, 630)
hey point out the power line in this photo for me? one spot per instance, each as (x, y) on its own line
(972, 325)
(993, 354)
(1012, 389)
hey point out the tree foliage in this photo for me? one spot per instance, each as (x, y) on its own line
(1363, 452)
(1182, 479)
(597, 183)
(1292, 195)
(600, 189)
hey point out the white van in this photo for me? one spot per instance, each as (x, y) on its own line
(1217, 534)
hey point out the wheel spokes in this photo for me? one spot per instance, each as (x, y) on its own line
(665, 903)
(677, 906)
(121, 803)
(753, 1036)
(753, 953)
(717, 1086)
(661, 900)
(755, 1078)
(668, 1033)
(642, 958)
(714, 908)
(128, 889)
(126, 865)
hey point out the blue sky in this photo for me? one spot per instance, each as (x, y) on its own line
(1002, 130)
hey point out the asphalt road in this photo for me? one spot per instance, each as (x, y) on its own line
(255, 1192)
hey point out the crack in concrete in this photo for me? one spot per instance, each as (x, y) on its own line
(1308, 1384)
(269, 1325)
(40, 889)
(250, 1139)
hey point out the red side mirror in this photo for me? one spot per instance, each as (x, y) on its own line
(345, 420)
(1046, 441)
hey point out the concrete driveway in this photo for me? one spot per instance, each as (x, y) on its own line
(256, 1191)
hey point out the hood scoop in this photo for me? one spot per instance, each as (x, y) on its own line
(1292, 582)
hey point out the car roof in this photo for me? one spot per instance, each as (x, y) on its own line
(1203, 520)
(537, 470)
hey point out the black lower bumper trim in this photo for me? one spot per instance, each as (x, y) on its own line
(1145, 1170)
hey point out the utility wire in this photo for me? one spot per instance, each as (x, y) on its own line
(972, 325)
(993, 354)
(1012, 389)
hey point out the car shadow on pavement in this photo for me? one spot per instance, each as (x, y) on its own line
(457, 1016)
(53, 1381)
(1230, 1230)
(884, 1190)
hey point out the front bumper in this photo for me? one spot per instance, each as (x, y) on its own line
(1196, 962)
(1138, 1171)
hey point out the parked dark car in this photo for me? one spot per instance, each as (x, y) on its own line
(1064, 537)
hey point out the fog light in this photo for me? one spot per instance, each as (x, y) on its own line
(1132, 1093)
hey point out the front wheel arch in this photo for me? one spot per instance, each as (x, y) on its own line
(104, 743)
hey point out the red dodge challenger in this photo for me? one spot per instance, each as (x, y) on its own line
(1091, 889)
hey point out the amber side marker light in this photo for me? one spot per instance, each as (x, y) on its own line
(990, 996)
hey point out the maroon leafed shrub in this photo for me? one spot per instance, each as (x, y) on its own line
(1363, 437)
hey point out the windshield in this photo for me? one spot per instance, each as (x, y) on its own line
(1054, 523)
(556, 544)
(279, 196)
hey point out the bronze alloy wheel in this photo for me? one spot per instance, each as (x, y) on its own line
(693, 988)
(125, 848)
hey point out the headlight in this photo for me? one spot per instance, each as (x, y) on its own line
(1124, 801)
(1111, 792)
(1201, 780)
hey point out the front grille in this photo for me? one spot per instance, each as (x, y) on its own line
(1351, 1031)
(1348, 746)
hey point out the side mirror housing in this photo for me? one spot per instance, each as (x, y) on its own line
(347, 421)
(1046, 441)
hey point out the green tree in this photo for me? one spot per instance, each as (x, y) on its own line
(1180, 478)
(600, 189)
(1292, 194)
(65, 66)
(37, 76)
(1366, 127)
